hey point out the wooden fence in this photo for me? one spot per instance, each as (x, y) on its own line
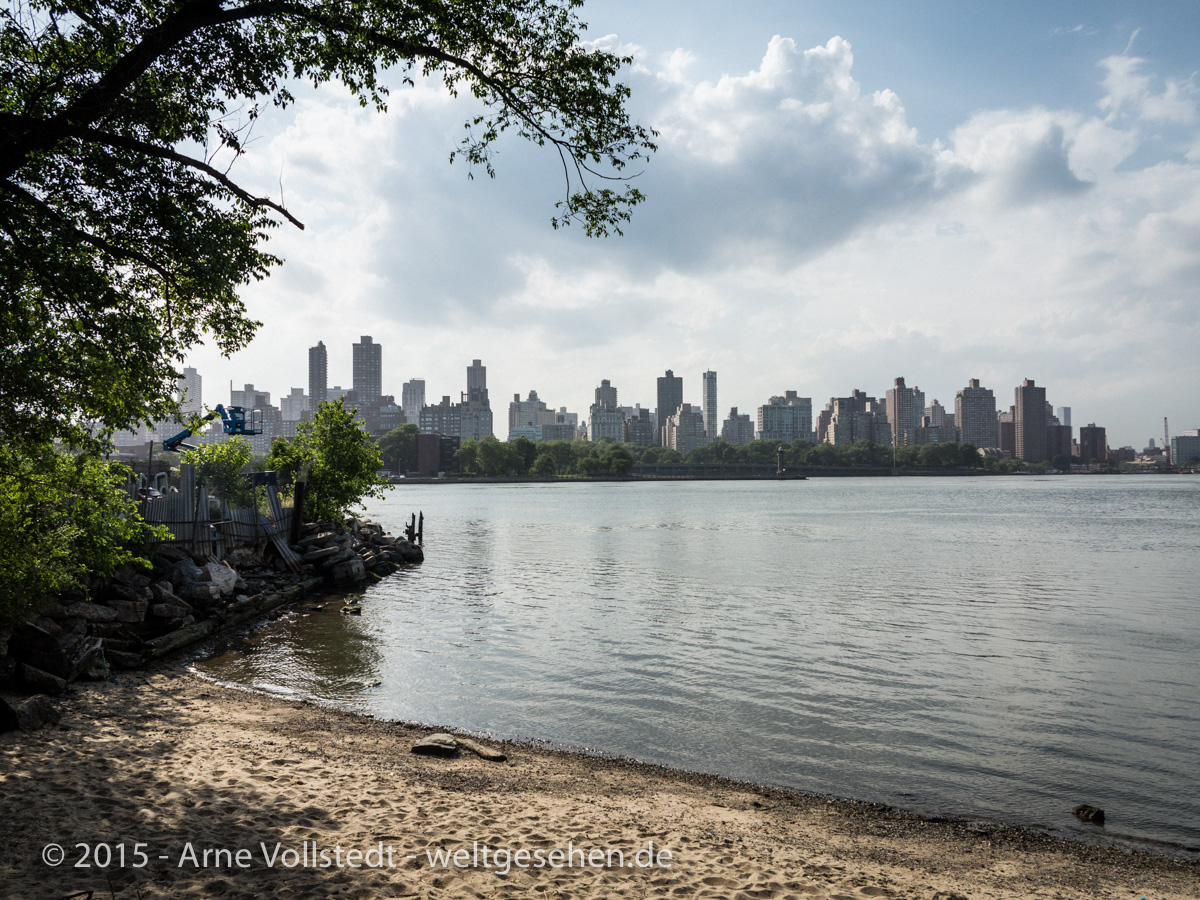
(186, 515)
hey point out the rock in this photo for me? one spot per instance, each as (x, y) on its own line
(1093, 814)
(223, 577)
(482, 751)
(129, 610)
(348, 572)
(321, 553)
(37, 712)
(436, 745)
(39, 648)
(185, 572)
(352, 610)
(92, 612)
(319, 538)
(42, 681)
(8, 717)
(203, 593)
(170, 611)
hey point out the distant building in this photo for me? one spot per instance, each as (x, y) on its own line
(684, 430)
(445, 419)
(787, 418)
(1093, 444)
(1058, 440)
(1006, 432)
(412, 398)
(670, 396)
(737, 429)
(1029, 422)
(526, 417)
(711, 423)
(936, 413)
(1064, 415)
(856, 418)
(1185, 448)
(368, 371)
(190, 394)
(639, 428)
(318, 376)
(975, 415)
(294, 405)
(904, 408)
(476, 415)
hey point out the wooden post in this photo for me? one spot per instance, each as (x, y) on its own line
(421, 530)
(298, 511)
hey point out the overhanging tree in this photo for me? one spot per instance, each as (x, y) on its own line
(124, 242)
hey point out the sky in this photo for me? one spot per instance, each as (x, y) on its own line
(844, 193)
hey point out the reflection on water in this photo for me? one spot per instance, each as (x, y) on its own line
(991, 647)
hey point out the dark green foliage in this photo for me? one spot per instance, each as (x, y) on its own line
(337, 459)
(399, 448)
(63, 520)
(122, 246)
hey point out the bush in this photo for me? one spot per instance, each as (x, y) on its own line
(221, 468)
(63, 520)
(337, 459)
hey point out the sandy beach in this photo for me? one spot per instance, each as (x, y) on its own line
(290, 799)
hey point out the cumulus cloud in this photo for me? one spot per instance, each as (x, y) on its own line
(799, 234)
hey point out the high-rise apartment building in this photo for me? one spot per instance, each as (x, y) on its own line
(737, 429)
(412, 398)
(1093, 444)
(712, 425)
(476, 409)
(684, 430)
(318, 376)
(1029, 422)
(605, 420)
(670, 396)
(189, 388)
(294, 405)
(368, 371)
(443, 418)
(904, 406)
(855, 418)
(639, 428)
(975, 415)
(936, 413)
(1064, 415)
(787, 418)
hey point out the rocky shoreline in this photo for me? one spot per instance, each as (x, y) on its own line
(139, 615)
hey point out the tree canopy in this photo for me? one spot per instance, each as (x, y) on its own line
(125, 238)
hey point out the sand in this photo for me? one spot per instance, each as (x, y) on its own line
(180, 766)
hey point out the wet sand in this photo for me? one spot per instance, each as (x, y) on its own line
(165, 766)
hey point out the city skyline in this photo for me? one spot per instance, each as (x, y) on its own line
(841, 196)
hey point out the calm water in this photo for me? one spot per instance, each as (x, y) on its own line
(992, 647)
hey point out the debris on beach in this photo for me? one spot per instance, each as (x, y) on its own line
(436, 745)
(1092, 814)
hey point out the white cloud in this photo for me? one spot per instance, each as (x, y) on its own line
(798, 235)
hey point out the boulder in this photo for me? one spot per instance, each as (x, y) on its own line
(185, 572)
(40, 680)
(348, 572)
(223, 577)
(92, 612)
(129, 610)
(37, 712)
(39, 648)
(321, 537)
(321, 554)
(201, 593)
(436, 745)
(8, 717)
(1093, 814)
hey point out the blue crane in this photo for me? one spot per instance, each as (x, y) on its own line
(234, 420)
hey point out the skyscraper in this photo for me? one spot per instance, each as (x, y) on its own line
(476, 409)
(189, 391)
(975, 415)
(712, 427)
(1093, 444)
(1029, 422)
(670, 397)
(368, 370)
(318, 376)
(905, 406)
(787, 418)
(604, 418)
(412, 398)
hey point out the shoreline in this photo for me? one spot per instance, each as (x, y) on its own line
(1092, 836)
(168, 758)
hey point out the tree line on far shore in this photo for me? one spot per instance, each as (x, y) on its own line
(493, 458)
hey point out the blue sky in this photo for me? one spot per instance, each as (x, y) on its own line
(845, 193)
